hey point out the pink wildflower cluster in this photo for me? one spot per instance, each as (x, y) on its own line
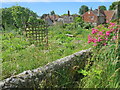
(102, 35)
(94, 30)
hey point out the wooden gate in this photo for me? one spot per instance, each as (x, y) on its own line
(37, 33)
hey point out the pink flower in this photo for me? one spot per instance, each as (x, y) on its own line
(100, 33)
(89, 41)
(112, 30)
(95, 44)
(94, 30)
(94, 40)
(112, 24)
(99, 39)
(114, 38)
(107, 33)
(104, 44)
(106, 21)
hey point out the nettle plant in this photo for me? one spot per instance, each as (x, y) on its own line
(102, 36)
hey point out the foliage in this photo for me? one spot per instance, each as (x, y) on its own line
(83, 9)
(102, 36)
(52, 12)
(87, 26)
(7, 18)
(19, 54)
(103, 69)
(78, 23)
(17, 17)
(113, 6)
(78, 19)
(103, 7)
(104, 72)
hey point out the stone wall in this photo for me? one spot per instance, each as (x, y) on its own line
(53, 74)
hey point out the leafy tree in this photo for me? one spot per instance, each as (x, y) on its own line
(21, 15)
(16, 16)
(52, 13)
(7, 18)
(83, 9)
(113, 6)
(78, 19)
(103, 8)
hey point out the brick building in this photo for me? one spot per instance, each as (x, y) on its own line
(98, 16)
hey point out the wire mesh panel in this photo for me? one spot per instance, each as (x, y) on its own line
(37, 33)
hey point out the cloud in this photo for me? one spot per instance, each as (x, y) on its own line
(58, 0)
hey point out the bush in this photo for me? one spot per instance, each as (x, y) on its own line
(103, 69)
(102, 36)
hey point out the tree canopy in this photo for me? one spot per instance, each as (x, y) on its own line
(113, 6)
(52, 12)
(17, 16)
(83, 9)
(103, 7)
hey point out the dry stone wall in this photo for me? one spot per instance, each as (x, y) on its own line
(52, 74)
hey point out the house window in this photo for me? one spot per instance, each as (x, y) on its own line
(70, 18)
(92, 17)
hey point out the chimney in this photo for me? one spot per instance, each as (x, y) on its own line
(68, 13)
(99, 11)
(91, 9)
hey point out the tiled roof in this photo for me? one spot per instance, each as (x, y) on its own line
(109, 15)
(52, 17)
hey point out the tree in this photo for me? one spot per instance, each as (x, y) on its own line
(16, 16)
(113, 6)
(103, 8)
(7, 18)
(21, 15)
(52, 13)
(83, 9)
(78, 19)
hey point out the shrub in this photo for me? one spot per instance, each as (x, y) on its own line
(103, 69)
(102, 36)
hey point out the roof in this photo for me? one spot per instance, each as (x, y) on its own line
(106, 13)
(109, 14)
(96, 12)
(52, 17)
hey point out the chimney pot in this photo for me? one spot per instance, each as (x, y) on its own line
(99, 11)
(68, 13)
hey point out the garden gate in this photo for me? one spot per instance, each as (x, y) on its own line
(37, 33)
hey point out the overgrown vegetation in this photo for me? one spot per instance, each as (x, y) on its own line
(105, 69)
(19, 55)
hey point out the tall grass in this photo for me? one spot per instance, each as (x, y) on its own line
(105, 71)
(19, 55)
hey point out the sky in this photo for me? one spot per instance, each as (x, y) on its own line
(46, 6)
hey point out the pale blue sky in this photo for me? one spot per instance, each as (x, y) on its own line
(59, 7)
